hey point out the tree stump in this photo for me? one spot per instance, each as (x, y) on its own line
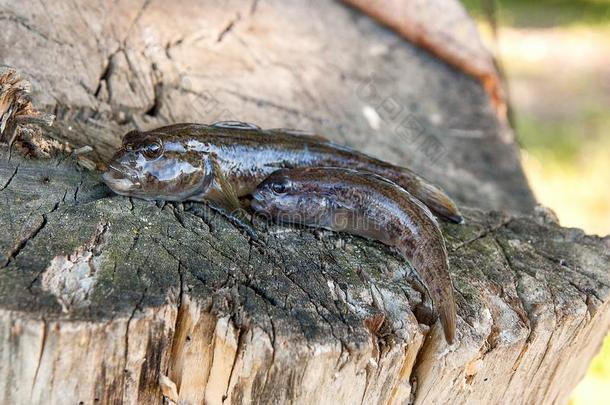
(106, 299)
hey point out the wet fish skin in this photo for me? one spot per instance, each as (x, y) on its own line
(227, 160)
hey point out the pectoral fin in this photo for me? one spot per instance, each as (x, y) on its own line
(219, 190)
(221, 197)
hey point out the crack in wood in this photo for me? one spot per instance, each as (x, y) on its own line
(228, 27)
(43, 344)
(22, 243)
(10, 179)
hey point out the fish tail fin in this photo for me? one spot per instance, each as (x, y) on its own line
(434, 198)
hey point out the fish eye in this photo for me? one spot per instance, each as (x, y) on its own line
(152, 150)
(279, 188)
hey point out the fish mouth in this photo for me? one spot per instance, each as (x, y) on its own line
(118, 182)
(256, 203)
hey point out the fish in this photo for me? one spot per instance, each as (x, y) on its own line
(224, 161)
(369, 206)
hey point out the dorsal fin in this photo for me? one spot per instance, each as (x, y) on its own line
(236, 125)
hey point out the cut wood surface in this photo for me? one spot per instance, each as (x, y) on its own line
(106, 299)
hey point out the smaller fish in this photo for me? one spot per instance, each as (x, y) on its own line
(370, 206)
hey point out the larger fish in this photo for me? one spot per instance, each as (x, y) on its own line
(370, 206)
(224, 161)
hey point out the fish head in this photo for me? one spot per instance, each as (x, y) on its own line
(286, 197)
(153, 166)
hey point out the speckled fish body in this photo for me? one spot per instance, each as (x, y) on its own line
(224, 161)
(370, 206)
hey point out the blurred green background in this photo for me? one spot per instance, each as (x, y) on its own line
(556, 58)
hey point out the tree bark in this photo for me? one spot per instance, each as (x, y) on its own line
(106, 299)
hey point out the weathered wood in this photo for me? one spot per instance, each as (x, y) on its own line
(117, 300)
(101, 296)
